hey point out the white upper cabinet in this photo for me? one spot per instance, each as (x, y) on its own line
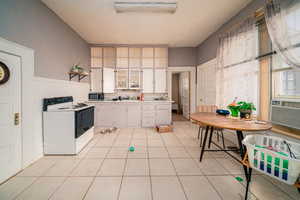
(109, 57)
(122, 78)
(161, 57)
(108, 80)
(122, 52)
(148, 81)
(148, 52)
(161, 52)
(160, 81)
(134, 79)
(122, 57)
(96, 57)
(135, 52)
(135, 57)
(96, 79)
(122, 68)
(148, 57)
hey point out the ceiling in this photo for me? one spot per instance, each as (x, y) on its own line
(97, 22)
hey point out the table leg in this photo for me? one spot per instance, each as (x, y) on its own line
(248, 183)
(248, 171)
(201, 137)
(242, 148)
(210, 136)
(204, 143)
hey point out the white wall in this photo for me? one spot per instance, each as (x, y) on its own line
(33, 90)
(46, 88)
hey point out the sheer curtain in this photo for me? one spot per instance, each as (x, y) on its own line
(283, 22)
(237, 70)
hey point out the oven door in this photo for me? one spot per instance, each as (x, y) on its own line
(84, 120)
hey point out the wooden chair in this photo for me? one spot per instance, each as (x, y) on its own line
(219, 131)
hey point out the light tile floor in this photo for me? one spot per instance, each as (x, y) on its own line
(162, 167)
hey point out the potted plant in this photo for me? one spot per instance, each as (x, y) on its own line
(246, 109)
(234, 108)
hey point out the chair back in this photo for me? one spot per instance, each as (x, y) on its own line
(207, 108)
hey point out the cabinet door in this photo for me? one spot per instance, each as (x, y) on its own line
(163, 117)
(96, 57)
(105, 115)
(120, 115)
(147, 80)
(134, 116)
(122, 79)
(96, 80)
(160, 81)
(108, 80)
(134, 79)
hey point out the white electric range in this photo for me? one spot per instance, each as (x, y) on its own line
(67, 127)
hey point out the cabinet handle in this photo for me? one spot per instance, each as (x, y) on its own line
(17, 119)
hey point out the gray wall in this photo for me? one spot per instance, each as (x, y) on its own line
(207, 50)
(31, 24)
(182, 56)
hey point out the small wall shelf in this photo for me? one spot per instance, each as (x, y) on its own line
(74, 74)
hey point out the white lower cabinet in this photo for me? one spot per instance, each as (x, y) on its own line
(148, 115)
(156, 114)
(133, 115)
(120, 116)
(104, 115)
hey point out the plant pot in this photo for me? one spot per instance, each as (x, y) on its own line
(234, 111)
(245, 114)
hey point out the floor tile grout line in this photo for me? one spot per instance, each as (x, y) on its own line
(125, 165)
(203, 173)
(178, 178)
(291, 197)
(39, 177)
(150, 177)
(26, 188)
(94, 178)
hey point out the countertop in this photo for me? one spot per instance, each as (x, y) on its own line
(132, 101)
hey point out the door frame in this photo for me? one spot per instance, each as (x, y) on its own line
(193, 83)
(27, 74)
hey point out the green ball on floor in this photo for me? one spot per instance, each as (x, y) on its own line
(131, 149)
(240, 179)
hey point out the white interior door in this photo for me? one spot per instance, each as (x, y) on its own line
(206, 83)
(184, 86)
(10, 133)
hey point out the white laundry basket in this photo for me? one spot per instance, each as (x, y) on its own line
(274, 156)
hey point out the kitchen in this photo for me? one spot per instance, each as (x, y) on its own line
(130, 85)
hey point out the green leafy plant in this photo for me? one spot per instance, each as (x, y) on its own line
(246, 106)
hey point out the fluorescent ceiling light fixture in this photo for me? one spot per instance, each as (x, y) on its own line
(145, 6)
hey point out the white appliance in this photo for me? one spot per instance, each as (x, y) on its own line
(286, 113)
(67, 127)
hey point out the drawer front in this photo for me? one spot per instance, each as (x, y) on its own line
(148, 107)
(163, 107)
(148, 114)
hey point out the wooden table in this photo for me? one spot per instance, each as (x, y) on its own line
(212, 120)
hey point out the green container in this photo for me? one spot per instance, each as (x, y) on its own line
(234, 111)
